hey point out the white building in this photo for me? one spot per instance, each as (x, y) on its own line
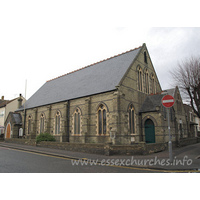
(7, 106)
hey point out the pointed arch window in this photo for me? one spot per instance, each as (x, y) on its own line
(131, 114)
(147, 82)
(57, 123)
(153, 87)
(140, 79)
(77, 122)
(102, 120)
(42, 123)
(29, 124)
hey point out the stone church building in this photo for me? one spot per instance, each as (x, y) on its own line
(116, 100)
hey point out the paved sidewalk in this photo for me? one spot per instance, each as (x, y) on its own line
(185, 158)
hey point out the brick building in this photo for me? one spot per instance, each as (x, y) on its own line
(116, 100)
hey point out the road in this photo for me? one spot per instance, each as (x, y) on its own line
(18, 161)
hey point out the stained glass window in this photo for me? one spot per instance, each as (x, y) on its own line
(147, 82)
(140, 79)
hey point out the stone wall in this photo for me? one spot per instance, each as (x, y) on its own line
(80, 147)
(155, 147)
(2, 137)
(130, 94)
(103, 149)
(30, 142)
(188, 141)
(126, 150)
(137, 149)
(198, 133)
(107, 148)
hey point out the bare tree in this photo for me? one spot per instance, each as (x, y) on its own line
(187, 76)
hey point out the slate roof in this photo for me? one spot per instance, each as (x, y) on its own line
(151, 102)
(93, 79)
(17, 118)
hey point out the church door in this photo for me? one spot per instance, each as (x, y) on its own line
(8, 130)
(149, 131)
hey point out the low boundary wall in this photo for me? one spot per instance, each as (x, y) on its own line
(188, 141)
(105, 149)
(30, 142)
(1, 137)
(80, 147)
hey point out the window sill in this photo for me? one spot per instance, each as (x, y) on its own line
(133, 134)
(102, 135)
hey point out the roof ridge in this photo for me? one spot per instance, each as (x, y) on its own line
(95, 63)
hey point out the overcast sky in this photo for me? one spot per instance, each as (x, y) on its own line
(43, 39)
(40, 40)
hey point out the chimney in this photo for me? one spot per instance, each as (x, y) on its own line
(20, 100)
(2, 98)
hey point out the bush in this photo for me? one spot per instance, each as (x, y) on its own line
(45, 137)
